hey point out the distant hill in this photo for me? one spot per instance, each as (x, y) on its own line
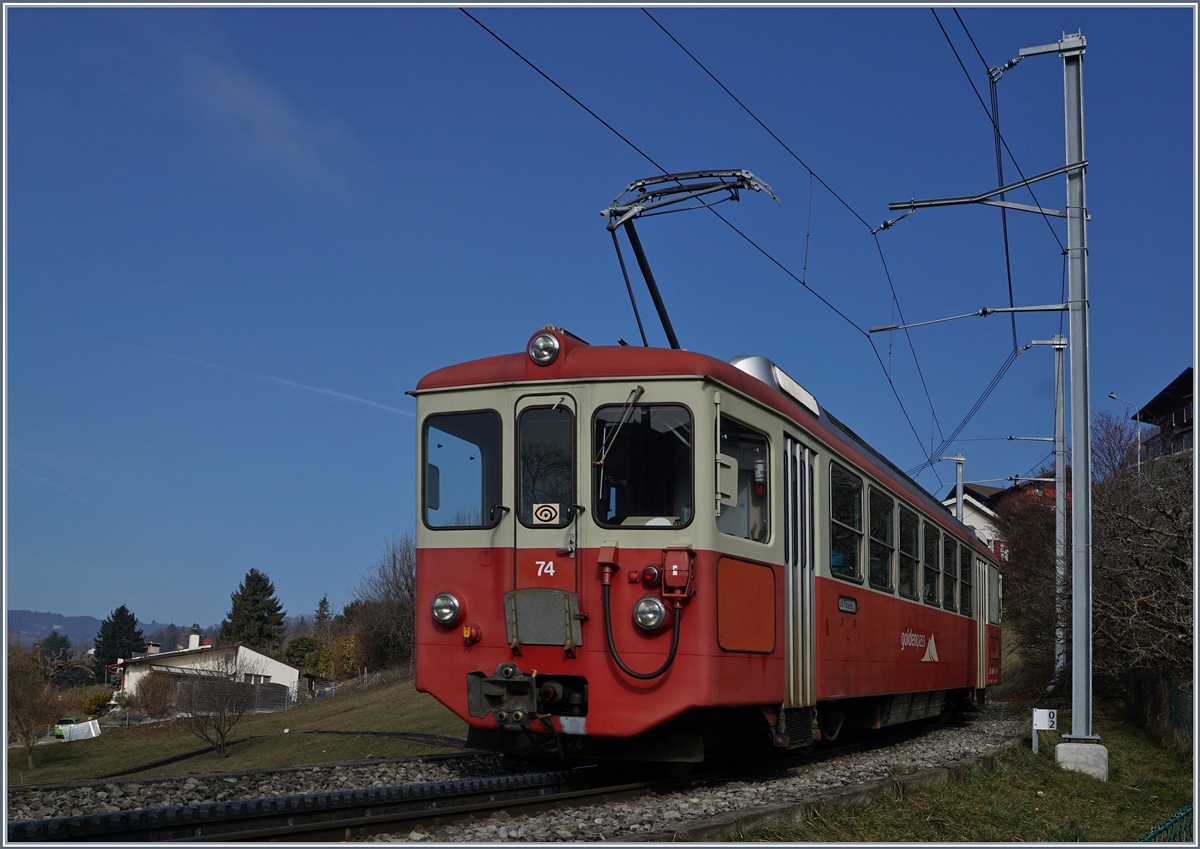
(28, 625)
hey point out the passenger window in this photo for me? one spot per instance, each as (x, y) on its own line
(747, 519)
(929, 573)
(462, 470)
(882, 542)
(545, 466)
(910, 552)
(964, 564)
(950, 570)
(845, 525)
(642, 463)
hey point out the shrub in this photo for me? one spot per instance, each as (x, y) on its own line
(96, 702)
(156, 693)
(344, 657)
(324, 662)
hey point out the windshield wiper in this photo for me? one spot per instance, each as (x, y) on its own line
(626, 412)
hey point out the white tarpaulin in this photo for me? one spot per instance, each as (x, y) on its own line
(81, 731)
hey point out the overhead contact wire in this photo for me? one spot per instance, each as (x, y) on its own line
(948, 441)
(652, 161)
(573, 98)
(1028, 186)
(813, 175)
(995, 115)
(756, 119)
(726, 221)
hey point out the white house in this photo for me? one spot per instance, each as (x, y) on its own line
(977, 515)
(250, 666)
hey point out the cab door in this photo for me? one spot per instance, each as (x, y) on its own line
(543, 607)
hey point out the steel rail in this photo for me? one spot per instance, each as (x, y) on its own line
(299, 814)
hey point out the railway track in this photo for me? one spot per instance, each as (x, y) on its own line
(313, 816)
(347, 814)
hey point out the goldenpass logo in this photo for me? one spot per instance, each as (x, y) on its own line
(910, 640)
(919, 641)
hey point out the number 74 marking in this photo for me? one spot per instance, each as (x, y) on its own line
(545, 567)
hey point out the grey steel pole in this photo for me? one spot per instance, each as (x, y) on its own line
(958, 487)
(1071, 48)
(1060, 511)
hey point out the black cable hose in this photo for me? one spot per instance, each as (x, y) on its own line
(644, 676)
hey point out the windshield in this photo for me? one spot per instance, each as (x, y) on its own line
(462, 470)
(643, 465)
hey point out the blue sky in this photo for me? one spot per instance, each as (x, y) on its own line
(236, 237)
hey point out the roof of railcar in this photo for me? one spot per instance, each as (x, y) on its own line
(579, 361)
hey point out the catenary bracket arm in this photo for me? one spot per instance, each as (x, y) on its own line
(983, 197)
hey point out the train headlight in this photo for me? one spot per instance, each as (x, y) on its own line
(445, 608)
(543, 349)
(650, 612)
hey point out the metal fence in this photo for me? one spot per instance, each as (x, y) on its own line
(1176, 828)
(219, 695)
(1181, 711)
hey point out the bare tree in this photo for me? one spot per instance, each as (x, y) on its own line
(30, 708)
(1142, 564)
(1114, 446)
(1026, 524)
(155, 693)
(1142, 534)
(382, 609)
(213, 702)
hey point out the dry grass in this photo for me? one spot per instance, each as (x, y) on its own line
(386, 707)
(1027, 798)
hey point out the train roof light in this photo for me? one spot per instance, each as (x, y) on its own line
(544, 348)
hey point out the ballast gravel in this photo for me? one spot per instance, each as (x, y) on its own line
(986, 731)
(30, 802)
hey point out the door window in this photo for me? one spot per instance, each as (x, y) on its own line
(546, 470)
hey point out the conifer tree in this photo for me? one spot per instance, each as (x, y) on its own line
(256, 616)
(119, 637)
(323, 619)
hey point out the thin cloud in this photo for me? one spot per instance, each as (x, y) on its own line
(253, 114)
(279, 380)
(79, 497)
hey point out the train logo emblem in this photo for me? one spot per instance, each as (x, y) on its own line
(908, 639)
(545, 514)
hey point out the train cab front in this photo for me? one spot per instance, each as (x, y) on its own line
(565, 598)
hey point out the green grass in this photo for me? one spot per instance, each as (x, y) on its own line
(1027, 798)
(386, 707)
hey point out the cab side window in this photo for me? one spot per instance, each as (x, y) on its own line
(749, 518)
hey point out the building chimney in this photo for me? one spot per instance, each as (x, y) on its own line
(152, 648)
(193, 641)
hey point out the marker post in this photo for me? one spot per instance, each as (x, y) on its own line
(1043, 720)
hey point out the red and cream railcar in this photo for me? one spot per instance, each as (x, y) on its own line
(645, 553)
